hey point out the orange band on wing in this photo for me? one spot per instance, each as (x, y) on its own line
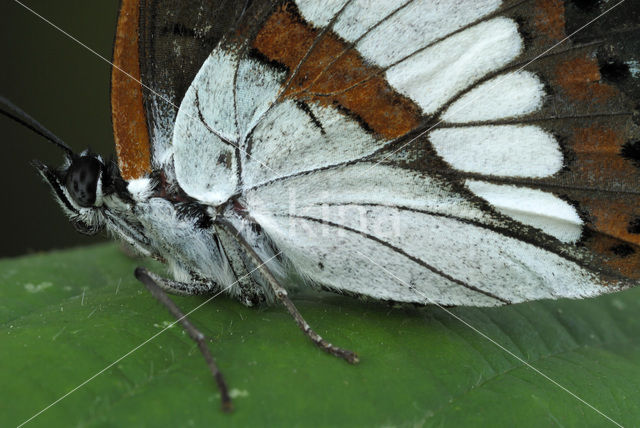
(580, 79)
(348, 82)
(549, 18)
(127, 111)
(598, 152)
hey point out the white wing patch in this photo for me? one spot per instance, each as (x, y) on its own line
(363, 183)
(257, 87)
(209, 127)
(331, 257)
(508, 95)
(213, 86)
(435, 75)
(425, 232)
(533, 207)
(291, 140)
(506, 150)
(205, 132)
(319, 13)
(415, 26)
(361, 15)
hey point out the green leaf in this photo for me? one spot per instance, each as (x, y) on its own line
(67, 315)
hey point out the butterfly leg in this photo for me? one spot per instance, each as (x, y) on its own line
(180, 288)
(152, 282)
(282, 295)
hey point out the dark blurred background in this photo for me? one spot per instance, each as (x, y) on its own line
(66, 88)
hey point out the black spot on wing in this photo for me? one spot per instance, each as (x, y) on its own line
(634, 226)
(586, 5)
(225, 160)
(631, 151)
(623, 250)
(614, 70)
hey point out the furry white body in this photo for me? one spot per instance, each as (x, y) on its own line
(201, 259)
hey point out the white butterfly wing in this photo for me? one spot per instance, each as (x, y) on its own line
(434, 244)
(296, 115)
(231, 105)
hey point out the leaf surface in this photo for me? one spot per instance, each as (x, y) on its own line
(67, 315)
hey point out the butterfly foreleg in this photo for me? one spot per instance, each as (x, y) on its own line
(281, 294)
(157, 286)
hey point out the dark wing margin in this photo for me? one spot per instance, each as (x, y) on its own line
(611, 146)
(175, 40)
(593, 97)
(592, 103)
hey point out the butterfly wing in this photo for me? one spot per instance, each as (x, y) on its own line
(526, 189)
(159, 47)
(130, 131)
(435, 243)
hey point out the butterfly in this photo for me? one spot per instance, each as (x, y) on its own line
(466, 147)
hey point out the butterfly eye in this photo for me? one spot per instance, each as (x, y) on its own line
(81, 180)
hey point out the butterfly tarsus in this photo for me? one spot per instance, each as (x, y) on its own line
(349, 356)
(144, 276)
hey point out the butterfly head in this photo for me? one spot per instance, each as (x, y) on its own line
(80, 187)
(82, 183)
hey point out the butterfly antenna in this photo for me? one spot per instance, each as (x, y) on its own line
(14, 112)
